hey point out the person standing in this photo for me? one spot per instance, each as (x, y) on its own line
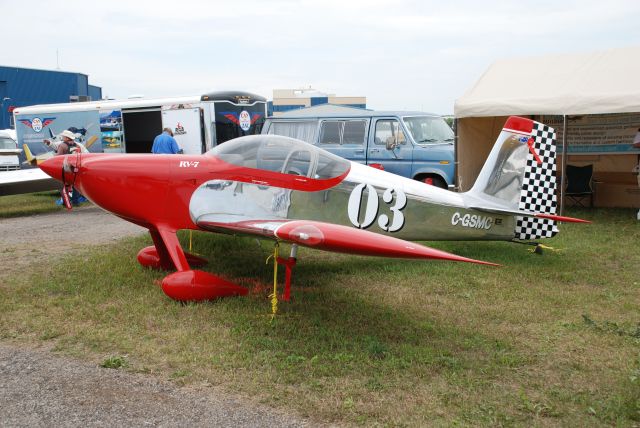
(67, 144)
(165, 143)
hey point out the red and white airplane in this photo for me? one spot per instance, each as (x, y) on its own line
(284, 189)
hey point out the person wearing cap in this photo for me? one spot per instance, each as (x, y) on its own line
(165, 143)
(66, 146)
(68, 143)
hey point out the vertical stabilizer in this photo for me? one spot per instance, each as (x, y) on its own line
(520, 175)
(28, 155)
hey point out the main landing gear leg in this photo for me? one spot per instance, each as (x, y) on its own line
(185, 284)
(157, 256)
(289, 264)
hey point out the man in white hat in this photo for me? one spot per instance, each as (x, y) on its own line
(66, 146)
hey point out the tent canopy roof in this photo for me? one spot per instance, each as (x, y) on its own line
(591, 83)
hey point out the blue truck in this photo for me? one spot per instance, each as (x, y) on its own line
(413, 144)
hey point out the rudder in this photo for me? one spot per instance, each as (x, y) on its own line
(539, 185)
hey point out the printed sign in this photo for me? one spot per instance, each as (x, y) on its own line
(597, 133)
(111, 129)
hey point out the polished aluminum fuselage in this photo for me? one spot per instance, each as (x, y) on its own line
(430, 213)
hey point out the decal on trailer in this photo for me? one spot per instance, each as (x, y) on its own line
(179, 130)
(245, 120)
(36, 123)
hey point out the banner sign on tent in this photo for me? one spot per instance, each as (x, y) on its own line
(597, 133)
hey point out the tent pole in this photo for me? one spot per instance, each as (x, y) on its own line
(564, 162)
(456, 182)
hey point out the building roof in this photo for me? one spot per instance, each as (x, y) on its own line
(586, 83)
(335, 110)
(16, 68)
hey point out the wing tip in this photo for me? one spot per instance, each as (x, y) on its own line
(456, 258)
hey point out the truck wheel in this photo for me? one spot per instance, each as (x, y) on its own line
(433, 180)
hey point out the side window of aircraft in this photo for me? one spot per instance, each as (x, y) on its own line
(354, 132)
(387, 130)
(330, 132)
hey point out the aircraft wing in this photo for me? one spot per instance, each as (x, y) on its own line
(328, 237)
(26, 181)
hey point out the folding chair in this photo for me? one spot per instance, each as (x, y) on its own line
(579, 184)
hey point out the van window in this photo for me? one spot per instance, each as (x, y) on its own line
(387, 130)
(343, 132)
(354, 132)
(429, 129)
(301, 130)
(330, 132)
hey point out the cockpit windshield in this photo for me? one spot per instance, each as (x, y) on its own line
(281, 154)
(429, 129)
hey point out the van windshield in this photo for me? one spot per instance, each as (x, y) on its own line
(429, 130)
(7, 144)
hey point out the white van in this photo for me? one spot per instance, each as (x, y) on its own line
(9, 150)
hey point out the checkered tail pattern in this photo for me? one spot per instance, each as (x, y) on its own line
(538, 193)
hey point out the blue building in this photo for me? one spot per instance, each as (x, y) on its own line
(26, 86)
(285, 100)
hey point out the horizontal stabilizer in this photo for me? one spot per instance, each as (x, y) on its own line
(528, 214)
(562, 218)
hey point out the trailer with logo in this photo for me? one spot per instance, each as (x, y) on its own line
(130, 125)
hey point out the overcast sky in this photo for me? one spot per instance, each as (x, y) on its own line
(399, 54)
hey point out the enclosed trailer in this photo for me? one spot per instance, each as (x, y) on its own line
(130, 125)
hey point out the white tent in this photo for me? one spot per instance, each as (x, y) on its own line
(584, 91)
(591, 83)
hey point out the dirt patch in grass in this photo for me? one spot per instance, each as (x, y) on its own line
(32, 241)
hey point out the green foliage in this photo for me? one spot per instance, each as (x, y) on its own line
(115, 362)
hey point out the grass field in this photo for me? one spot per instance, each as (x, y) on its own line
(29, 203)
(550, 339)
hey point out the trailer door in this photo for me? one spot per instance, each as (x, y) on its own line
(140, 127)
(186, 125)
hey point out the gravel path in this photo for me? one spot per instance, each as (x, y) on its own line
(38, 388)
